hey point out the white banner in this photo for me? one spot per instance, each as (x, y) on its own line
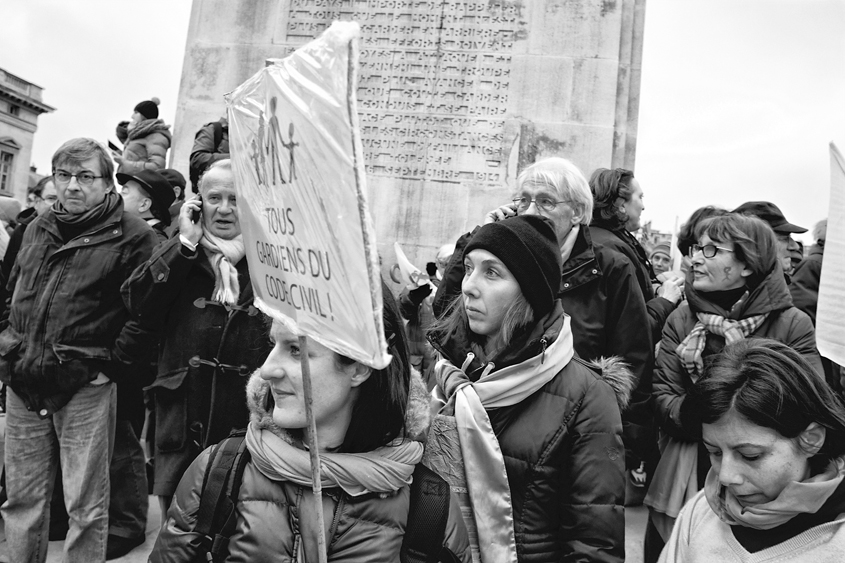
(298, 163)
(830, 316)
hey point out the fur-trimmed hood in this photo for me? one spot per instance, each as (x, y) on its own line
(417, 417)
(616, 373)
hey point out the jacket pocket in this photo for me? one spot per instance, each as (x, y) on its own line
(81, 363)
(10, 344)
(171, 410)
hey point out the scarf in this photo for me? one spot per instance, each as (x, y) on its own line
(798, 497)
(384, 470)
(146, 127)
(483, 463)
(689, 351)
(90, 217)
(569, 243)
(224, 255)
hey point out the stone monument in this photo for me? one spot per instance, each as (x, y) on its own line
(455, 97)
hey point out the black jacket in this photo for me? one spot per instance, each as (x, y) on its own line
(563, 451)
(23, 219)
(206, 353)
(67, 321)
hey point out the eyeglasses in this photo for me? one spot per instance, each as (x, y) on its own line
(709, 250)
(543, 202)
(84, 178)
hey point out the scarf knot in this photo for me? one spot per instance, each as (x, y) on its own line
(691, 348)
(224, 256)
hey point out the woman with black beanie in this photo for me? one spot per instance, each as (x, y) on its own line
(735, 290)
(527, 434)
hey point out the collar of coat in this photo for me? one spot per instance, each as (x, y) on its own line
(148, 126)
(771, 294)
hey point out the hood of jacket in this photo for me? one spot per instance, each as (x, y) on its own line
(530, 343)
(771, 294)
(148, 126)
(417, 416)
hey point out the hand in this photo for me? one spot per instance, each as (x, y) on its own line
(672, 290)
(500, 213)
(187, 228)
(418, 294)
(117, 157)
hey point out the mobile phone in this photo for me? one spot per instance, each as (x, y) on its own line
(113, 147)
(195, 214)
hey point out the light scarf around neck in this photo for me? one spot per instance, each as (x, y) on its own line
(798, 497)
(483, 462)
(569, 243)
(690, 350)
(384, 470)
(224, 256)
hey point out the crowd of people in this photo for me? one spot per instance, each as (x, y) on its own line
(552, 370)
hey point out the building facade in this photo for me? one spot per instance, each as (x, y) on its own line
(20, 106)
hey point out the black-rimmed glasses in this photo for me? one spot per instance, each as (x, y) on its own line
(83, 178)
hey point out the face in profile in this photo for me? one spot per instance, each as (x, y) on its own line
(634, 207)
(756, 463)
(488, 289)
(334, 386)
(720, 272)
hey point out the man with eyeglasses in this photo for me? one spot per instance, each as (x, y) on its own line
(598, 286)
(69, 338)
(771, 214)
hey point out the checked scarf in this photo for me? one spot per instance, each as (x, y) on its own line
(732, 331)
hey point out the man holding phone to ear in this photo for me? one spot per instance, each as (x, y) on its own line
(195, 292)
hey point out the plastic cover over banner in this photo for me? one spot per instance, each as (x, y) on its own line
(830, 314)
(298, 165)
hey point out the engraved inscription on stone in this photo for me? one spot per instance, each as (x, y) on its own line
(433, 83)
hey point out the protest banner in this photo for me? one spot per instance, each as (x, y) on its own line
(309, 239)
(830, 314)
(404, 272)
(296, 153)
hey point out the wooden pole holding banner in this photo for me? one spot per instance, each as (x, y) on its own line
(313, 449)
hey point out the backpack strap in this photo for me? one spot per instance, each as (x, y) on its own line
(216, 516)
(427, 517)
(218, 133)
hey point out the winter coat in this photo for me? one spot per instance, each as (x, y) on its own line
(67, 321)
(363, 529)
(785, 323)
(197, 404)
(598, 290)
(204, 152)
(658, 308)
(23, 219)
(146, 147)
(805, 282)
(562, 449)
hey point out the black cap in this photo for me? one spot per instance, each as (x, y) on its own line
(157, 188)
(528, 246)
(174, 178)
(769, 212)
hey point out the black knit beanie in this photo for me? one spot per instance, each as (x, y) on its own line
(528, 246)
(148, 108)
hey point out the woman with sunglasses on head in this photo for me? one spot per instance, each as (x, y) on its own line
(735, 290)
(527, 434)
(775, 434)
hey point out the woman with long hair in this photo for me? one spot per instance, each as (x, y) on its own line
(370, 428)
(775, 434)
(735, 290)
(528, 435)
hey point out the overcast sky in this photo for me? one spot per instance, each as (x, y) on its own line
(739, 97)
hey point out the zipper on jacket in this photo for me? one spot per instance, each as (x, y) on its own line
(543, 343)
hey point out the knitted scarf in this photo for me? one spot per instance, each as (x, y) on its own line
(146, 127)
(384, 470)
(90, 217)
(689, 351)
(806, 496)
(224, 256)
(490, 513)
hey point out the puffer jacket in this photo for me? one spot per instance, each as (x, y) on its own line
(207, 351)
(562, 448)
(363, 529)
(672, 382)
(67, 321)
(146, 147)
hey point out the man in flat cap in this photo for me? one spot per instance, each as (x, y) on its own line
(771, 214)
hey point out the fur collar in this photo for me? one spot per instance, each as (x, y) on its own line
(417, 417)
(149, 126)
(616, 373)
